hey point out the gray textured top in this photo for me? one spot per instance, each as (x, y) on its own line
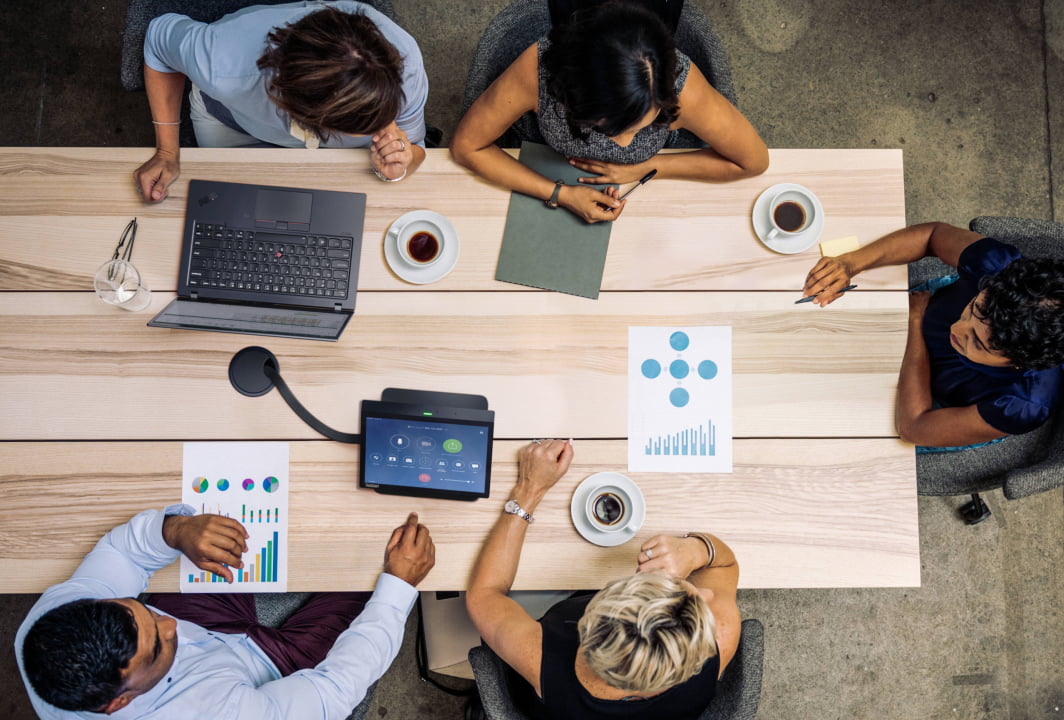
(556, 133)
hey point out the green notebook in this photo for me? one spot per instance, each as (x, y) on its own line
(551, 249)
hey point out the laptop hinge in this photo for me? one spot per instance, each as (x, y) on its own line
(338, 307)
(193, 295)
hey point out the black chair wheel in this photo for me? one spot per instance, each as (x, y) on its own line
(974, 511)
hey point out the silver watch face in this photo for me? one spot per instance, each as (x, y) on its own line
(512, 507)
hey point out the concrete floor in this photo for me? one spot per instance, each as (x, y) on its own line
(972, 93)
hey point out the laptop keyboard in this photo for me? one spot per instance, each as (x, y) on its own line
(269, 262)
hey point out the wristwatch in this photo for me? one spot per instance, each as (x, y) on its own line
(513, 508)
(553, 202)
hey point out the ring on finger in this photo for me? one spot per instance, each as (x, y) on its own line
(402, 146)
(538, 442)
(650, 554)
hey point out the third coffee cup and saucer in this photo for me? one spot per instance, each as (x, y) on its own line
(788, 218)
(608, 509)
(421, 247)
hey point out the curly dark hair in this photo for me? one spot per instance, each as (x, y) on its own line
(609, 65)
(1023, 305)
(74, 654)
(334, 71)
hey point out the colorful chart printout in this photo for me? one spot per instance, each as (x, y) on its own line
(247, 482)
(679, 399)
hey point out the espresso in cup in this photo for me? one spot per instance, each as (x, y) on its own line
(423, 247)
(789, 216)
(608, 508)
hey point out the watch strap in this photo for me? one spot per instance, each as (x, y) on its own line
(553, 201)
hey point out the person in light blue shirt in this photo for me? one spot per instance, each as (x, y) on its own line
(302, 74)
(127, 659)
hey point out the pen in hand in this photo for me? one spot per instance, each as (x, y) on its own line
(810, 298)
(632, 189)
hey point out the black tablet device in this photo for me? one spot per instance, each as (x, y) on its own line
(426, 450)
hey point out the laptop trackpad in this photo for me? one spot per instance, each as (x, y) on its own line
(282, 209)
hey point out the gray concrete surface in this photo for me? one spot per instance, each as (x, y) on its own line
(972, 93)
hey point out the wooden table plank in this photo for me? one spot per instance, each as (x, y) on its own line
(675, 235)
(74, 368)
(799, 513)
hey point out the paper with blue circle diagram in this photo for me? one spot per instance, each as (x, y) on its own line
(680, 399)
(246, 481)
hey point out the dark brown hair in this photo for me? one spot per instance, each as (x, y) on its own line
(334, 71)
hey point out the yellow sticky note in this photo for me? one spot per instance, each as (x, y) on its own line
(834, 248)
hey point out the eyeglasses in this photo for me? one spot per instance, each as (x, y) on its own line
(124, 250)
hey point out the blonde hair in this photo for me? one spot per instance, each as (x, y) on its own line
(647, 633)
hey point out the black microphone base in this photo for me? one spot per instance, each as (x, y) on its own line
(247, 371)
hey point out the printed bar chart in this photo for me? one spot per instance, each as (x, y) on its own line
(701, 440)
(264, 569)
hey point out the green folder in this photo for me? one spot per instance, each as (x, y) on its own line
(551, 249)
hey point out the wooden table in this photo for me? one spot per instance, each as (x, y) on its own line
(95, 406)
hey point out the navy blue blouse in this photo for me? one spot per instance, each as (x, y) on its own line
(1010, 400)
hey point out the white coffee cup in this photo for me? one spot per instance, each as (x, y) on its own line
(420, 243)
(791, 212)
(608, 508)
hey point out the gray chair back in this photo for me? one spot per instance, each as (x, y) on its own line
(141, 12)
(738, 692)
(524, 22)
(1020, 465)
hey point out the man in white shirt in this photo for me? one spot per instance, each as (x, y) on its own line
(89, 647)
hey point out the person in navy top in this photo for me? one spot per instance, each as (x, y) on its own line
(984, 353)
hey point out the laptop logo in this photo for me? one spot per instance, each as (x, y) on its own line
(208, 198)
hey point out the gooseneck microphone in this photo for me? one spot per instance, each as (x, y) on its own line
(254, 371)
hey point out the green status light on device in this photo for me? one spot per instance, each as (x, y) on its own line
(452, 446)
(426, 413)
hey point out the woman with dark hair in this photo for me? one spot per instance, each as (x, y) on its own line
(609, 90)
(343, 76)
(984, 352)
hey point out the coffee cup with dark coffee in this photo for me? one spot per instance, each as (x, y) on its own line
(609, 508)
(790, 212)
(420, 243)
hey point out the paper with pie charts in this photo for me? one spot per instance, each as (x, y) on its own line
(247, 481)
(680, 399)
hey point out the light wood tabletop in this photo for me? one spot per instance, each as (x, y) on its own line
(96, 405)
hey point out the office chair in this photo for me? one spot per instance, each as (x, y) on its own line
(1020, 465)
(738, 692)
(523, 22)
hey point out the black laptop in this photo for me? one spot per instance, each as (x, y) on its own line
(266, 260)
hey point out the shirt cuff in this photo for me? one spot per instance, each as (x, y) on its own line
(394, 592)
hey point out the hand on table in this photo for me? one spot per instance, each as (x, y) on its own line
(828, 277)
(212, 542)
(678, 557)
(391, 153)
(591, 204)
(606, 172)
(410, 553)
(153, 178)
(541, 464)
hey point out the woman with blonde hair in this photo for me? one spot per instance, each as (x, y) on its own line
(650, 645)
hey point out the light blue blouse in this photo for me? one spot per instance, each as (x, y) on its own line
(220, 59)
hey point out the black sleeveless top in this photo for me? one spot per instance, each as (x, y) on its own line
(565, 697)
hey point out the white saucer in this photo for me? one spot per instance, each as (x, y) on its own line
(786, 244)
(579, 504)
(437, 270)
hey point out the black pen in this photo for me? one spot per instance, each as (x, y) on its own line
(810, 298)
(632, 189)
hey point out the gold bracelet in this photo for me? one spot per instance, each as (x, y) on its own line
(709, 547)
